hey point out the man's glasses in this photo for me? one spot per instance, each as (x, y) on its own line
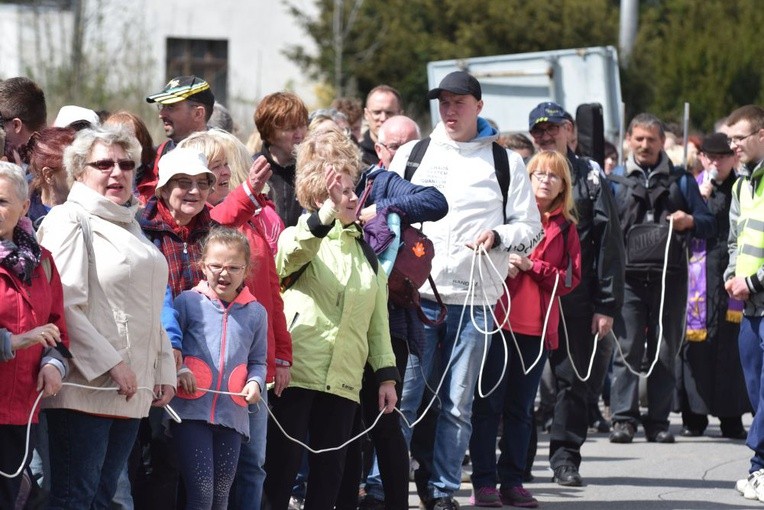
(187, 184)
(391, 147)
(538, 132)
(540, 176)
(105, 165)
(232, 270)
(737, 139)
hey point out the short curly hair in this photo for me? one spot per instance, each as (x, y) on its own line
(280, 110)
(314, 154)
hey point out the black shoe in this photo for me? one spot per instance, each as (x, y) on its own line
(447, 503)
(568, 476)
(735, 434)
(370, 503)
(688, 432)
(664, 436)
(623, 432)
(601, 426)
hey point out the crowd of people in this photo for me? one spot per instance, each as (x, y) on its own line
(205, 324)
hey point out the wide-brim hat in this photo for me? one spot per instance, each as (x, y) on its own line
(182, 161)
(716, 144)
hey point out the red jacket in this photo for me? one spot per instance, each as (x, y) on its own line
(23, 308)
(264, 283)
(531, 290)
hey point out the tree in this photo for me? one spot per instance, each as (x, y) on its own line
(707, 53)
(391, 42)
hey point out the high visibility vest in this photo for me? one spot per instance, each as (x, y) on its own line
(750, 239)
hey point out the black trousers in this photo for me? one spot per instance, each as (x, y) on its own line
(570, 422)
(328, 419)
(387, 439)
(12, 441)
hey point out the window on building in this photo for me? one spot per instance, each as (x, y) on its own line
(206, 58)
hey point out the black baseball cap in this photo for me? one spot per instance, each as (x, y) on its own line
(459, 82)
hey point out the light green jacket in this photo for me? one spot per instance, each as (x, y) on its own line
(336, 310)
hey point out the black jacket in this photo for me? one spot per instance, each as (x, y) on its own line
(282, 190)
(602, 255)
(367, 147)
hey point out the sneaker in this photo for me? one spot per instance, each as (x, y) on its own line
(623, 432)
(519, 497)
(745, 486)
(486, 497)
(568, 476)
(446, 503)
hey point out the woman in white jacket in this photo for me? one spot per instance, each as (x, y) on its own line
(114, 283)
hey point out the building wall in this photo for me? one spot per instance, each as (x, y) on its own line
(127, 39)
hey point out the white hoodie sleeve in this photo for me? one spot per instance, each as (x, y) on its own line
(522, 230)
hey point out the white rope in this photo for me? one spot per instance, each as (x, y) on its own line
(660, 313)
(167, 408)
(567, 346)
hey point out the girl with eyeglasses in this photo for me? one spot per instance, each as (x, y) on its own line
(224, 349)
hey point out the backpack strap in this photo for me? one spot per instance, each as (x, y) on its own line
(501, 164)
(415, 157)
(565, 228)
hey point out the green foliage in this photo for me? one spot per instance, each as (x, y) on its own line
(707, 52)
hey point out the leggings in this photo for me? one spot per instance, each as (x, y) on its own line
(207, 455)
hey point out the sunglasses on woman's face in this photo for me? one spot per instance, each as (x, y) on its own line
(105, 165)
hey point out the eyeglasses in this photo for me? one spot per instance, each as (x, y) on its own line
(540, 176)
(187, 184)
(105, 165)
(391, 147)
(737, 139)
(538, 132)
(232, 270)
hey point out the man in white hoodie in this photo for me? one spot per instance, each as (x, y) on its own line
(459, 162)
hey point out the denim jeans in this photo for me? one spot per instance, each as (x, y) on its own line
(512, 399)
(751, 344)
(247, 490)
(456, 394)
(87, 455)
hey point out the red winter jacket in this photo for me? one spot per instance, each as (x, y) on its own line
(531, 290)
(23, 308)
(263, 282)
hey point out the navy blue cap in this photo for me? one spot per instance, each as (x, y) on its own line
(547, 112)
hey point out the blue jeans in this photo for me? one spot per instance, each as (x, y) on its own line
(751, 345)
(87, 455)
(247, 490)
(456, 394)
(512, 399)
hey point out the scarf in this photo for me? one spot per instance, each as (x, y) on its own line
(182, 231)
(22, 254)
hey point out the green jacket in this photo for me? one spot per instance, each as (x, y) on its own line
(336, 310)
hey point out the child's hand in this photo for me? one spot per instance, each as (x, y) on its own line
(187, 381)
(251, 392)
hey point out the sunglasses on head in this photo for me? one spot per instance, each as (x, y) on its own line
(104, 165)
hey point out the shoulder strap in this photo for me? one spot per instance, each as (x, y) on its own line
(415, 157)
(501, 164)
(739, 186)
(46, 267)
(565, 228)
(368, 252)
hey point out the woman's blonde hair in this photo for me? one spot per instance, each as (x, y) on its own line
(557, 164)
(238, 156)
(314, 154)
(202, 141)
